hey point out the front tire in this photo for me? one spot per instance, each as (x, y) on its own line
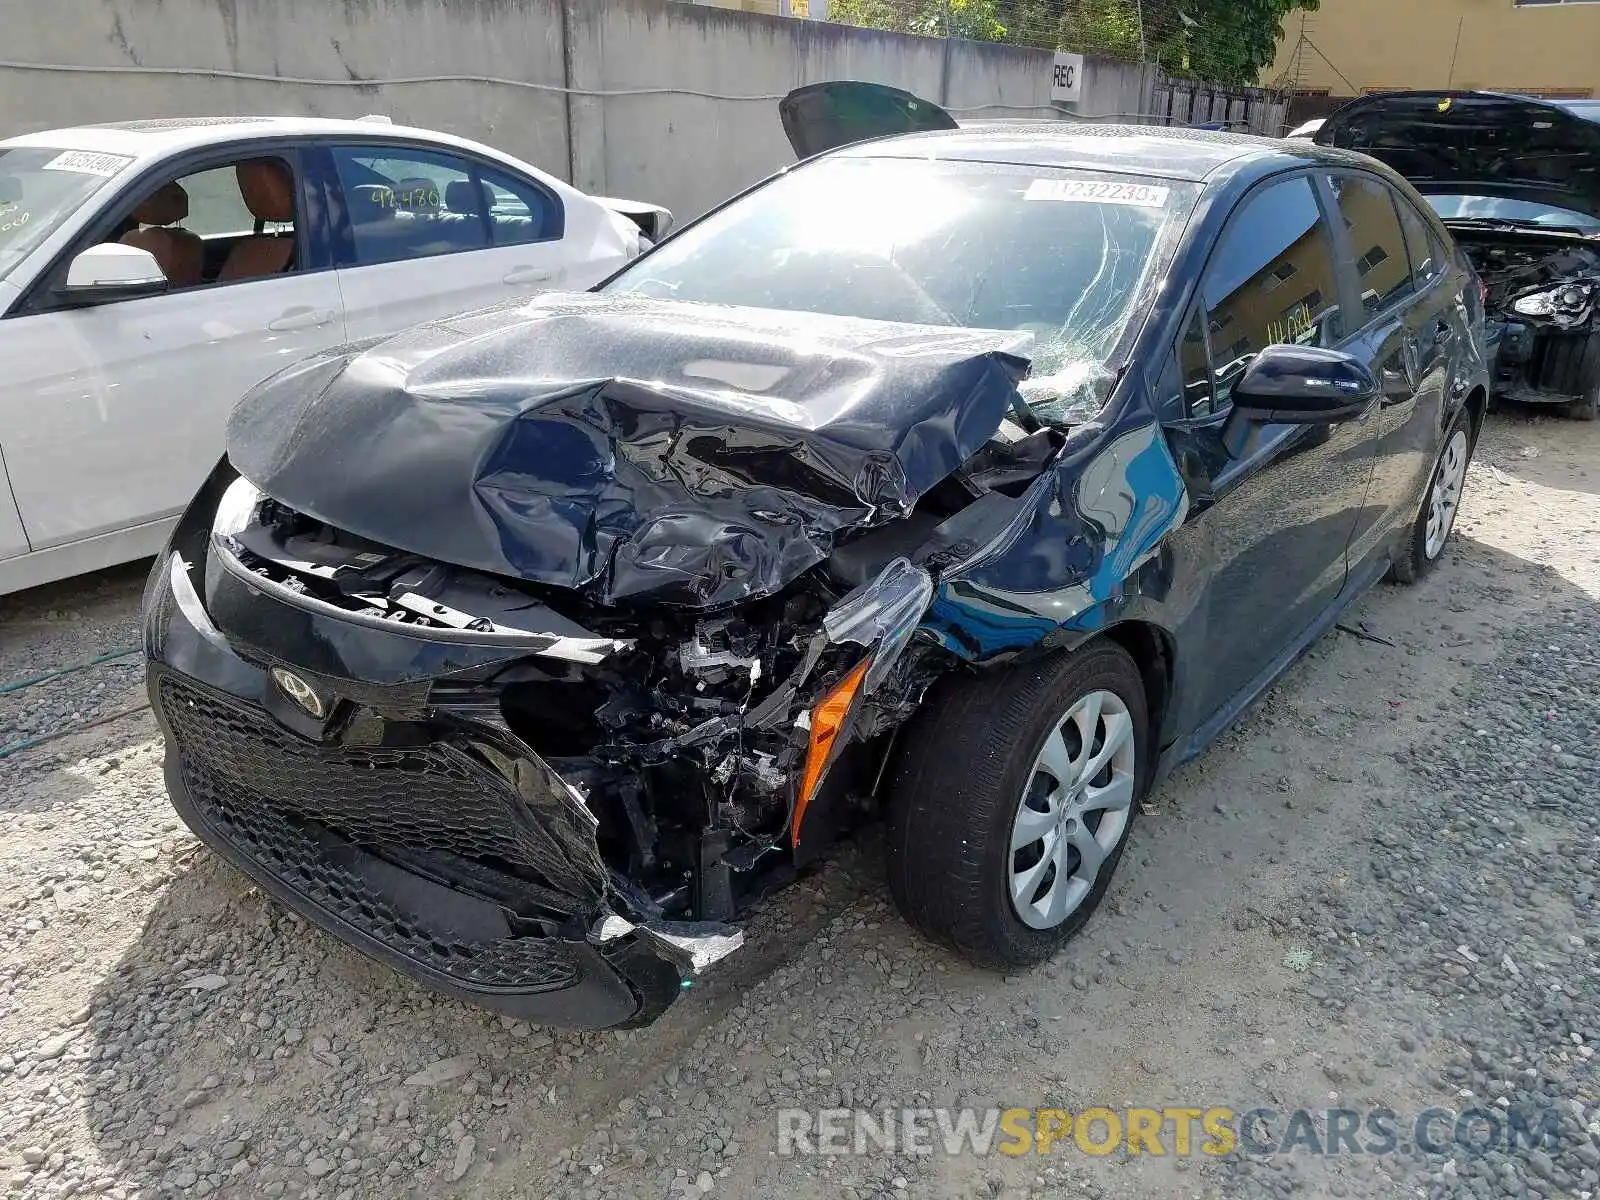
(1012, 801)
(1430, 532)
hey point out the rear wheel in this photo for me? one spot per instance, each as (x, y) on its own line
(1012, 802)
(1430, 532)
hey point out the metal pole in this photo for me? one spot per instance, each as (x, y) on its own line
(944, 69)
(565, 13)
(1144, 50)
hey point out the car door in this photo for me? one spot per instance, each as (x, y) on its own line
(423, 232)
(1444, 342)
(115, 411)
(1268, 527)
(1408, 332)
(13, 541)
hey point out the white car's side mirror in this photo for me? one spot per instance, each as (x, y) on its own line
(112, 271)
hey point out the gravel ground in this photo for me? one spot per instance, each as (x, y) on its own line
(1379, 889)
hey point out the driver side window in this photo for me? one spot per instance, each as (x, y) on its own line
(1271, 280)
(224, 224)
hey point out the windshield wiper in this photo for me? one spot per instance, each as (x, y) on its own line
(1512, 226)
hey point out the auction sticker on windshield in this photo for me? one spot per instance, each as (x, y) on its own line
(84, 162)
(1144, 195)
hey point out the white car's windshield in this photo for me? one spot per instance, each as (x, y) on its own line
(1505, 208)
(1059, 254)
(40, 187)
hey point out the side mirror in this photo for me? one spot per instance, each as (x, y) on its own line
(112, 271)
(1297, 385)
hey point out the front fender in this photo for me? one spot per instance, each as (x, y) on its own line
(1083, 551)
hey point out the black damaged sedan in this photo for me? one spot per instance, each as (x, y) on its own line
(972, 478)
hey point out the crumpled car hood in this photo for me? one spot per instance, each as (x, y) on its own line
(690, 455)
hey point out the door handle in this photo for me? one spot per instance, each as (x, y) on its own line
(301, 317)
(525, 275)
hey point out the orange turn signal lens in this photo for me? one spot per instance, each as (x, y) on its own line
(827, 719)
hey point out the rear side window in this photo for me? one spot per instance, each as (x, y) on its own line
(1422, 245)
(1382, 265)
(405, 203)
(1271, 280)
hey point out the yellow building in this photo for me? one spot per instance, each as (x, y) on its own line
(1534, 47)
(771, 7)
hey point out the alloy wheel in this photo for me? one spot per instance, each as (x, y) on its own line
(1074, 810)
(1444, 497)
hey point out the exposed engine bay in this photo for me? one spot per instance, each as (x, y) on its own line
(670, 726)
(1543, 309)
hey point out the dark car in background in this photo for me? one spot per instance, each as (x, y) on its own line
(970, 478)
(1517, 182)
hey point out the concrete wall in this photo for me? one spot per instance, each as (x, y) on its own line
(1491, 44)
(695, 150)
(671, 102)
(313, 39)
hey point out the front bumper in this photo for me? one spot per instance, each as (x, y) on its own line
(1535, 365)
(430, 840)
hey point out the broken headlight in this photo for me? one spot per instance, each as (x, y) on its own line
(883, 613)
(237, 508)
(1568, 305)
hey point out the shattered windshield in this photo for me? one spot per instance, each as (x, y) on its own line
(42, 186)
(1060, 255)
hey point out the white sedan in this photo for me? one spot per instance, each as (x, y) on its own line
(151, 272)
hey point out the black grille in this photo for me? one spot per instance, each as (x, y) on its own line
(428, 799)
(278, 799)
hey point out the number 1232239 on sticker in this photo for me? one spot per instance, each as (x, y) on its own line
(1143, 195)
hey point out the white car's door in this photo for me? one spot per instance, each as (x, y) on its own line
(12, 539)
(430, 232)
(114, 412)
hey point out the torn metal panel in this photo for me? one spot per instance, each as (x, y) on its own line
(1087, 524)
(632, 449)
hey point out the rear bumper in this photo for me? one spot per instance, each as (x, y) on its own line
(435, 844)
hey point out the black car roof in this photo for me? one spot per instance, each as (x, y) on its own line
(1169, 152)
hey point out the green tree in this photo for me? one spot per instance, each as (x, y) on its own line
(1229, 41)
(975, 20)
